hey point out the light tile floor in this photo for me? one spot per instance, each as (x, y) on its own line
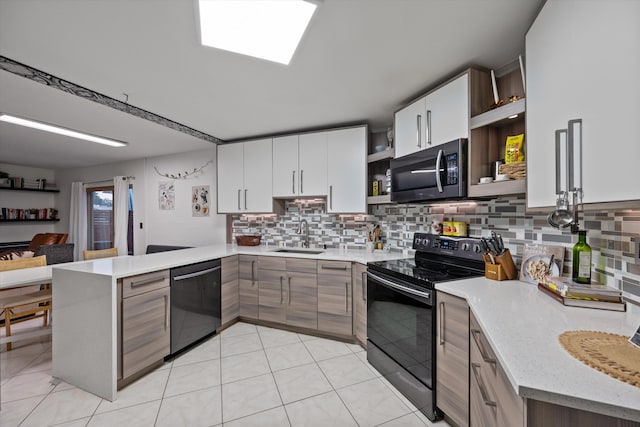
(246, 376)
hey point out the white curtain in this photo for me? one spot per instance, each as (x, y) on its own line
(78, 219)
(120, 213)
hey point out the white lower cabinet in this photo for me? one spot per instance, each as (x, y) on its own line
(346, 170)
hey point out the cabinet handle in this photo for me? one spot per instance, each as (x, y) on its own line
(289, 280)
(475, 333)
(575, 143)
(418, 128)
(196, 274)
(346, 297)
(441, 330)
(293, 182)
(331, 267)
(245, 199)
(281, 294)
(561, 141)
(147, 281)
(429, 127)
(239, 191)
(475, 367)
(331, 197)
(253, 274)
(301, 181)
(364, 283)
(166, 312)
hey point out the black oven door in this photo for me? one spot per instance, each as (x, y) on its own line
(400, 334)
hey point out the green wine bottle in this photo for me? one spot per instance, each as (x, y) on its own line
(582, 259)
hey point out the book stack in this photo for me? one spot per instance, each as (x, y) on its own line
(34, 184)
(579, 295)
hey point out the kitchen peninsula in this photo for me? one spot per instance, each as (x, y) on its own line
(85, 330)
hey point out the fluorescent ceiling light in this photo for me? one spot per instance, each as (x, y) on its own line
(59, 130)
(266, 29)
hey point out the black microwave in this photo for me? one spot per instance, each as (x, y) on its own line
(434, 173)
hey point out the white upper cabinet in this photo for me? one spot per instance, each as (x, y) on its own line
(300, 165)
(449, 110)
(576, 72)
(410, 125)
(244, 177)
(312, 161)
(347, 159)
(230, 177)
(440, 116)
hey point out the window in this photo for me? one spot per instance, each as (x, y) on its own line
(100, 218)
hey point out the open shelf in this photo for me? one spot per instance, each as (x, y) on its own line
(379, 200)
(28, 220)
(29, 189)
(513, 186)
(498, 116)
(381, 155)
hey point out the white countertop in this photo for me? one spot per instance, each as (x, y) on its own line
(124, 266)
(522, 325)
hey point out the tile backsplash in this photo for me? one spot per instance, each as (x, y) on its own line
(613, 235)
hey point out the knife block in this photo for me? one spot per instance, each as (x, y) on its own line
(503, 269)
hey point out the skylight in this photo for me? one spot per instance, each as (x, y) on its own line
(266, 29)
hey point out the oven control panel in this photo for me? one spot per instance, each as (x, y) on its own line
(462, 247)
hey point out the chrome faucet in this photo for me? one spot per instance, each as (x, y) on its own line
(304, 222)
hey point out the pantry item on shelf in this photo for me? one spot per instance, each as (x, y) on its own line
(581, 259)
(502, 177)
(486, 180)
(515, 149)
(248, 240)
(514, 170)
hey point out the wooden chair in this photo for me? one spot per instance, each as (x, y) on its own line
(100, 253)
(11, 305)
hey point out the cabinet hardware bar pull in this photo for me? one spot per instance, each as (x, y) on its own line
(301, 181)
(438, 162)
(429, 127)
(475, 333)
(196, 274)
(331, 197)
(425, 295)
(561, 141)
(289, 279)
(245, 199)
(418, 133)
(364, 282)
(330, 267)
(166, 312)
(253, 274)
(147, 281)
(483, 392)
(346, 297)
(575, 162)
(441, 330)
(239, 191)
(281, 294)
(293, 182)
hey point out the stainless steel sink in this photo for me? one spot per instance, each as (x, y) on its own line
(299, 251)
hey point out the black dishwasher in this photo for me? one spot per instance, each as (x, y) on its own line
(195, 303)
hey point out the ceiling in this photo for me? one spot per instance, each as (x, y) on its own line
(359, 61)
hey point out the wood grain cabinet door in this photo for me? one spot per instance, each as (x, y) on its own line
(230, 289)
(335, 306)
(248, 283)
(302, 301)
(272, 296)
(145, 330)
(360, 303)
(452, 358)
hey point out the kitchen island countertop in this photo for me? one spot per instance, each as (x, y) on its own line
(522, 325)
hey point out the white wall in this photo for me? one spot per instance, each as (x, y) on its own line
(178, 226)
(15, 232)
(175, 227)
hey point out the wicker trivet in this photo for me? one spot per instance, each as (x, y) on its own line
(609, 353)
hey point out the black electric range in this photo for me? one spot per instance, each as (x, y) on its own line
(401, 312)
